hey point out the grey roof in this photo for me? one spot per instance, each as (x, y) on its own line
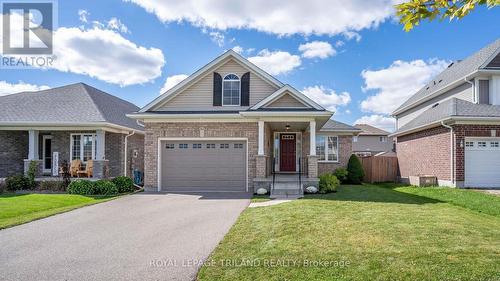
(75, 103)
(332, 125)
(369, 130)
(451, 108)
(457, 70)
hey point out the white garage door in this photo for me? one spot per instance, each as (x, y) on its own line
(482, 162)
(203, 165)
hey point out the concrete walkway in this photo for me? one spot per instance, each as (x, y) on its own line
(137, 237)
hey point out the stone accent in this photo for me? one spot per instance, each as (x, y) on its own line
(101, 169)
(345, 152)
(261, 167)
(39, 170)
(312, 166)
(425, 153)
(196, 130)
(13, 151)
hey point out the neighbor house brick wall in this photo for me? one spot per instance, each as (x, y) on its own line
(195, 130)
(345, 151)
(425, 152)
(463, 131)
(13, 151)
(115, 153)
(135, 143)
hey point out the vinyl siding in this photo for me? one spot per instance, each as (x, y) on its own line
(463, 92)
(286, 101)
(495, 62)
(372, 144)
(199, 95)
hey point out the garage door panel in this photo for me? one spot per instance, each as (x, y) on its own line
(482, 162)
(203, 166)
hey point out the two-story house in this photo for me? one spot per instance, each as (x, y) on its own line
(371, 141)
(230, 126)
(451, 127)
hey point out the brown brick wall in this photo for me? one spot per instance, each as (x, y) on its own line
(13, 151)
(425, 152)
(135, 143)
(462, 131)
(195, 130)
(345, 151)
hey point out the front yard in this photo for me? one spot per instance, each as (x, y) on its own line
(364, 233)
(16, 209)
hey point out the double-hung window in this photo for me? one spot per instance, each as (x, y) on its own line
(83, 147)
(231, 87)
(327, 148)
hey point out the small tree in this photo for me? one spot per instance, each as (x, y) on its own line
(32, 173)
(355, 170)
(65, 173)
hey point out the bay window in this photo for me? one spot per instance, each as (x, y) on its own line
(83, 147)
(327, 148)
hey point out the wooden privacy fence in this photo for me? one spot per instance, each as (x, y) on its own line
(380, 168)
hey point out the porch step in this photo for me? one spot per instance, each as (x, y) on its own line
(286, 190)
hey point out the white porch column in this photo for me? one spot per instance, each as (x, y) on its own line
(33, 145)
(100, 144)
(312, 141)
(261, 138)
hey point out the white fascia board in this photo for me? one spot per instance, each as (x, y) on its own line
(287, 113)
(67, 126)
(280, 92)
(195, 76)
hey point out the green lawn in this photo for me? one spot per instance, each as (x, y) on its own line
(21, 208)
(260, 198)
(378, 233)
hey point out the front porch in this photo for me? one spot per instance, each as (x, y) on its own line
(286, 162)
(51, 149)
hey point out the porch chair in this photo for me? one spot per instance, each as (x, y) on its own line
(89, 169)
(75, 167)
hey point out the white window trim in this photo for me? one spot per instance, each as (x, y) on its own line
(326, 150)
(94, 136)
(239, 80)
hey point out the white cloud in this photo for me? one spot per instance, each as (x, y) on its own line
(172, 81)
(117, 25)
(327, 98)
(277, 62)
(238, 49)
(349, 35)
(105, 55)
(380, 121)
(83, 15)
(397, 83)
(217, 37)
(320, 17)
(7, 88)
(317, 49)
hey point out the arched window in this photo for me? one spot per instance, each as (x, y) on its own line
(231, 87)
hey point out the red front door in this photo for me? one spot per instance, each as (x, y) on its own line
(287, 153)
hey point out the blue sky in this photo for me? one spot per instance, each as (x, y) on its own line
(362, 64)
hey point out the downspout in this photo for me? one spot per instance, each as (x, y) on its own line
(452, 152)
(126, 151)
(476, 99)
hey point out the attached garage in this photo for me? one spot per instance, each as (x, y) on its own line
(203, 165)
(482, 162)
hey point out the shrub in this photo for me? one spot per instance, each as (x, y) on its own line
(82, 187)
(341, 174)
(2, 187)
(32, 170)
(355, 172)
(66, 175)
(105, 187)
(16, 182)
(52, 186)
(328, 183)
(124, 184)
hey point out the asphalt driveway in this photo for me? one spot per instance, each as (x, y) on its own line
(137, 237)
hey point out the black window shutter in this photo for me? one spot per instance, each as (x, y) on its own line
(245, 89)
(217, 89)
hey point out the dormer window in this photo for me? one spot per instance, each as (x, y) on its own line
(231, 90)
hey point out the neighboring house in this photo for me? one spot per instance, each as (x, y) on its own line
(451, 127)
(371, 141)
(76, 121)
(223, 127)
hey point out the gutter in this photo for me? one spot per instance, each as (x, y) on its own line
(126, 151)
(452, 152)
